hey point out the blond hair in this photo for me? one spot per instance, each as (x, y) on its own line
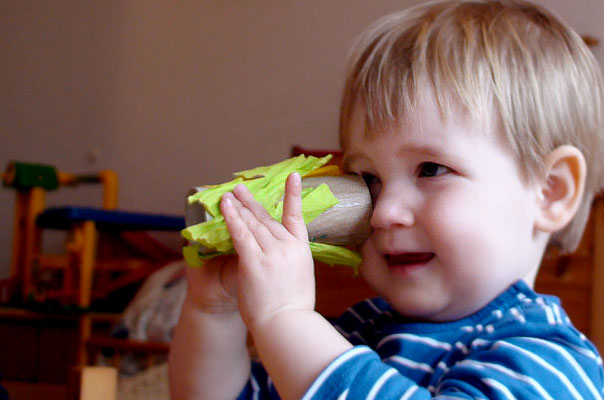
(509, 59)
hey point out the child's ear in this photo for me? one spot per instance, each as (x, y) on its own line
(561, 188)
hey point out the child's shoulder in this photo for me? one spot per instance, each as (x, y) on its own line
(521, 305)
(517, 303)
(520, 335)
(519, 311)
(539, 319)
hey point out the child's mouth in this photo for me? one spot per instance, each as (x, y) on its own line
(408, 260)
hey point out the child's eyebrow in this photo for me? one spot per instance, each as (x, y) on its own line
(421, 150)
(430, 151)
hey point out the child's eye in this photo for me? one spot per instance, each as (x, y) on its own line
(369, 179)
(430, 169)
(374, 185)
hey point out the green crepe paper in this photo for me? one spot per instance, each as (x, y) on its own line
(330, 254)
(267, 183)
(325, 253)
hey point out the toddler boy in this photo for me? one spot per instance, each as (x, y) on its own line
(477, 126)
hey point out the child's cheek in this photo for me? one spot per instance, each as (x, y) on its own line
(452, 210)
(368, 252)
(456, 221)
(371, 259)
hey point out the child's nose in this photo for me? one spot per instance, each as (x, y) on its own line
(392, 209)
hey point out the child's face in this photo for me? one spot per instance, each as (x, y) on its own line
(453, 223)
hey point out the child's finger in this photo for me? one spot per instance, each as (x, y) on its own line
(292, 207)
(258, 229)
(249, 202)
(244, 241)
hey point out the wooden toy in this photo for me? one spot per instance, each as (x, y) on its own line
(83, 224)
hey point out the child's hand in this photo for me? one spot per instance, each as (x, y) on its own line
(212, 288)
(275, 262)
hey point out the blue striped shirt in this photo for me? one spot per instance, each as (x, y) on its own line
(520, 346)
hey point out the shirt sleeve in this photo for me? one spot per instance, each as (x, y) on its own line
(360, 374)
(524, 367)
(259, 386)
(514, 368)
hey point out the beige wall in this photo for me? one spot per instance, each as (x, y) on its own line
(173, 94)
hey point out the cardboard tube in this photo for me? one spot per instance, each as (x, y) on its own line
(348, 222)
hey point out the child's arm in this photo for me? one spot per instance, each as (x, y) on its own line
(276, 290)
(208, 354)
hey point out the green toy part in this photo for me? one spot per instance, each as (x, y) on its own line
(267, 183)
(21, 175)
